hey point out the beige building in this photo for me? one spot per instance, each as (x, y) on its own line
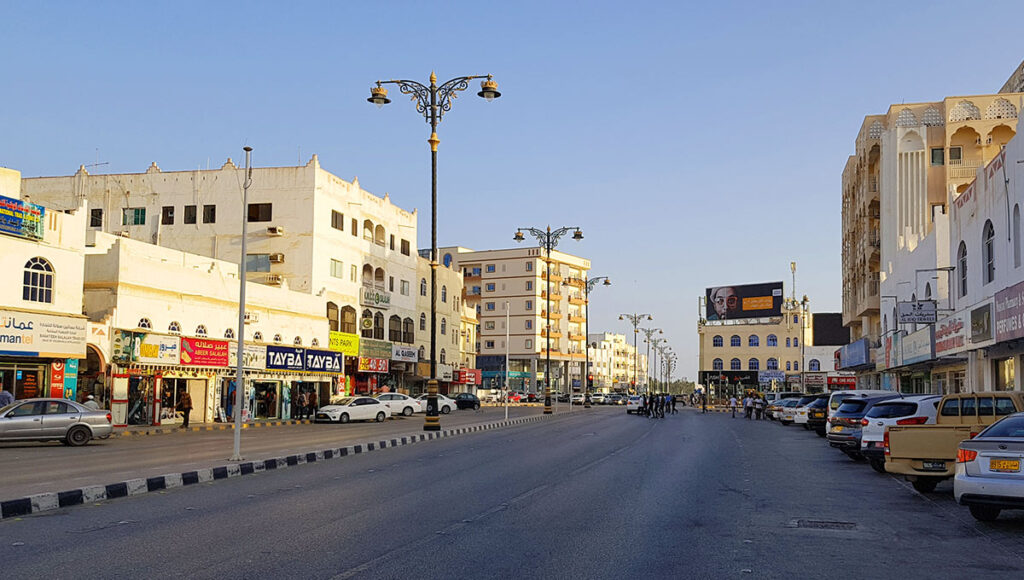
(518, 277)
(614, 361)
(456, 328)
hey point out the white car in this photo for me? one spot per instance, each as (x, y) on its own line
(576, 398)
(634, 403)
(909, 410)
(837, 397)
(989, 477)
(400, 404)
(345, 409)
(444, 404)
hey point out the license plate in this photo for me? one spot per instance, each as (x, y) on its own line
(837, 429)
(1007, 465)
(935, 465)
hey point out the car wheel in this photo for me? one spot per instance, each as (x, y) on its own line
(446, 409)
(925, 484)
(343, 418)
(820, 432)
(407, 411)
(806, 427)
(78, 436)
(380, 417)
(878, 465)
(985, 513)
(476, 406)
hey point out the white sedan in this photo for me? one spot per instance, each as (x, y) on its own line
(402, 404)
(444, 404)
(345, 409)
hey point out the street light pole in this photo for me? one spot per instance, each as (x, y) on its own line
(548, 240)
(240, 351)
(658, 350)
(635, 320)
(433, 102)
(648, 333)
(588, 285)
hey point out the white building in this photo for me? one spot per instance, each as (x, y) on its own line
(614, 362)
(456, 332)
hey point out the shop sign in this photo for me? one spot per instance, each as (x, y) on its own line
(202, 352)
(370, 348)
(445, 372)
(285, 358)
(769, 376)
(842, 382)
(71, 379)
(423, 369)
(156, 349)
(468, 377)
(255, 356)
(919, 346)
(511, 374)
(854, 354)
(21, 218)
(57, 379)
(814, 379)
(981, 323)
(917, 312)
(41, 335)
(373, 365)
(324, 361)
(376, 298)
(345, 343)
(1010, 313)
(404, 353)
(793, 379)
(951, 334)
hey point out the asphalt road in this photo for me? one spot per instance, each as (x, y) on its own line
(591, 495)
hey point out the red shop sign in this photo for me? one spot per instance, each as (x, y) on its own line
(373, 365)
(201, 352)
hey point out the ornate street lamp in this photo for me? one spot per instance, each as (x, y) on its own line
(588, 285)
(635, 320)
(648, 333)
(548, 240)
(433, 102)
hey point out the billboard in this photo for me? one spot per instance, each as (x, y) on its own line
(919, 312)
(744, 301)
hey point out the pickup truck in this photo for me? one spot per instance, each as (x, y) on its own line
(926, 454)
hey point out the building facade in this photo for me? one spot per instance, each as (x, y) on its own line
(614, 363)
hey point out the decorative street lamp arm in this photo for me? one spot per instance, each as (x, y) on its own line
(594, 282)
(548, 239)
(420, 93)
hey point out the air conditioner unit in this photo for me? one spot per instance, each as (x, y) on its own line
(277, 258)
(251, 317)
(275, 231)
(275, 279)
(125, 234)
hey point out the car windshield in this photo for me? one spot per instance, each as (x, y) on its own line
(1008, 427)
(341, 400)
(818, 404)
(838, 400)
(852, 406)
(806, 400)
(892, 410)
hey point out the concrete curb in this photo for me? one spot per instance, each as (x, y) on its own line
(165, 430)
(55, 500)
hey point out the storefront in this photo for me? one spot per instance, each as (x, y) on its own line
(40, 353)
(373, 366)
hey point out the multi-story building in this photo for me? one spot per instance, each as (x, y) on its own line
(456, 330)
(518, 277)
(614, 362)
(909, 167)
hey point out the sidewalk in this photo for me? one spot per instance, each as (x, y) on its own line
(136, 430)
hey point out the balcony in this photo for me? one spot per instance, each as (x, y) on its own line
(555, 276)
(555, 333)
(576, 318)
(963, 168)
(576, 336)
(578, 300)
(555, 315)
(578, 282)
(555, 296)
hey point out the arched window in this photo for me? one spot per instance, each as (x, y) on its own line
(796, 319)
(367, 275)
(734, 340)
(796, 365)
(753, 364)
(735, 364)
(787, 342)
(277, 339)
(257, 336)
(423, 321)
(145, 323)
(174, 328)
(201, 330)
(961, 266)
(927, 290)
(442, 356)
(379, 235)
(407, 330)
(297, 341)
(716, 364)
(423, 286)
(367, 324)
(444, 294)
(788, 366)
(988, 253)
(378, 326)
(447, 260)
(378, 277)
(796, 342)
(229, 333)
(395, 328)
(422, 354)
(772, 340)
(716, 341)
(772, 364)
(368, 230)
(814, 365)
(314, 342)
(333, 318)
(753, 340)
(348, 320)
(444, 326)
(38, 281)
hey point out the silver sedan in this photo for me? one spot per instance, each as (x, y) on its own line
(53, 419)
(988, 469)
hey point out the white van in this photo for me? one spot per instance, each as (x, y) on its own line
(836, 398)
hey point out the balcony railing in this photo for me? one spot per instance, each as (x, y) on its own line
(963, 168)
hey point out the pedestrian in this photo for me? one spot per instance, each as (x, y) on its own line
(311, 407)
(185, 406)
(662, 405)
(748, 406)
(758, 407)
(91, 404)
(673, 399)
(732, 405)
(6, 398)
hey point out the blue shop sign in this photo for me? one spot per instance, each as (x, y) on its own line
(854, 354)
(324, 361)
(285, 358)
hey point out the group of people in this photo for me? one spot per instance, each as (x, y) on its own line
(754, 406)
(655, 405)
(305, 405)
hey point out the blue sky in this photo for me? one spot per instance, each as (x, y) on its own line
(697, 144)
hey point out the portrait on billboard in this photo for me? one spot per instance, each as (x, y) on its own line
(744, 301)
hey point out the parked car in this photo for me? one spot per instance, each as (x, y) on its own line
(514, 396)
(577, 398)
(400, 404)
(836, 398)
(444, 404)
(53, 420)
(533, 398)
(801, 412)
(343, 409)
(560, 397)
(598, 398)
(817, 415)
(467, 401)
(786, 410)
(909, 410)
(988, 469)
(614, 399)
(774, 397)
(846, 423)
(634, 404)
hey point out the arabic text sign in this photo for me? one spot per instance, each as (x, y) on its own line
(202, 352)
(255, 356)
(156, 349)
(951, 334)
(34, 334)
(919, 312)
(21, 218)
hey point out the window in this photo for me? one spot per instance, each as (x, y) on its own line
(988, 254)
(167, 215)
(378, 326)
(37, 285)
(278, 339)
(190, 214)
(368, 230)
(145, 323)
(174, 328)
(1004, 406)
(392, 243)
(796, 365)
(209, 214)
(201, 330)
(489, 325)
(133, 216)
(772, 340)
(938, 156)
(260, 212)
(488, 344)
(788, 366)
(355, 226)
(717, 341)
(490, 268)
(1016, 236)
(529, 304)
(529, 266)
(716, 364)
(395, 328)
(442, 356)
(529, 285)
(96, 218)
(796, 319)
(444, 294)
(961, 266)
(257, 336)
(444, 326)
(734, 364)
(405, 288)
(955, 154)
(423, 321)
(796, 342)
(951, 408)
(422, 354)
(490, 287)
(391, 283)
(489, 306)
(257, 262)
(337, 269)
(753, 364)
(529, 324)
(229, 333)
(423, 286)
(529, 343)
(407, 330)
(405, 247)
(337, 220)
(772, 364)
(814, 365)
(353, 273)
(314, 342)
(787, 342)
(734, 340)
(753, 340)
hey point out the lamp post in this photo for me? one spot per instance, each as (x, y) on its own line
(548, 240)
(648, 333)
(239, 370)
(433, 102)
(658, 350)
(588, 285)
(635, 320)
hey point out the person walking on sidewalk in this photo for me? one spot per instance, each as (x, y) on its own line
(732, 405)
(748, 406)
(185, 405)
(758, 407)
(673, 399)
(6, 398)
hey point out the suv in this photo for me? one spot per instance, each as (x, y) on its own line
(817, 415)
(912, 410)
(845, 430)
(598, 398)
(802, 413)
